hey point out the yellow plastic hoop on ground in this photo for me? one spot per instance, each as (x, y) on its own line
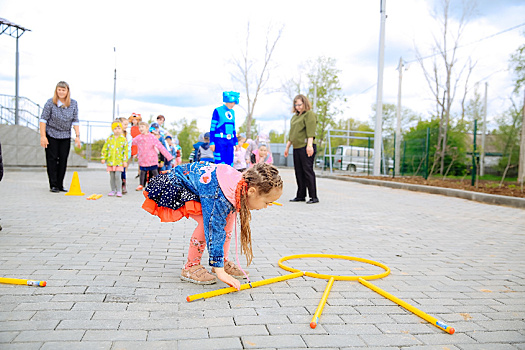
(333, 256)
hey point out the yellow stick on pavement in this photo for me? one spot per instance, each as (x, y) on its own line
(409, 307)
(320, 307)
(279, 204)
(227, 290)
(22, 281)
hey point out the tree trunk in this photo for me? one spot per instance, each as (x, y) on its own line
(521, 168)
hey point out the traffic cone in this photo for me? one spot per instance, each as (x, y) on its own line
(74, 189)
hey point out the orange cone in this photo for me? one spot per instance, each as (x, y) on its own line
(74, 189)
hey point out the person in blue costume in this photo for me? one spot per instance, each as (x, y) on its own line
(223, 137)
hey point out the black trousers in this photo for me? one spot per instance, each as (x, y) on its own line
(304, 172)
(57, 152)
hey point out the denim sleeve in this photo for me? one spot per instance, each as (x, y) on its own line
(215, 210)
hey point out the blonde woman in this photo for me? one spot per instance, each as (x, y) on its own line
(59, 115)
(302, 136)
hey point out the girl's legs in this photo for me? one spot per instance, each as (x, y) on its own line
(118, 181)
(154, 173)
(124, 190)
(112, 183)
(198, 240)
(143, 174)
(197, 243)
(230, 222)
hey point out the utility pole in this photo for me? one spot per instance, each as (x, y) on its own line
(348, 132)
(378, 132)
(483, 132)
(398, 125)
(15, 31)
(114, 83)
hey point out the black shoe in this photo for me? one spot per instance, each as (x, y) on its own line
(54, 190)
(62, 189)
(298, 200)
(313, 200)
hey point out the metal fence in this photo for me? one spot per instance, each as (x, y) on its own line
(28, 111)
(414, 159)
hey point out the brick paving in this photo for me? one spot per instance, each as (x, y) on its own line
(112, 272)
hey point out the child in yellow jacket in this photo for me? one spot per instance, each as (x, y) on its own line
(115, 156)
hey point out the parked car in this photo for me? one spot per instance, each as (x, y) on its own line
(356, 159)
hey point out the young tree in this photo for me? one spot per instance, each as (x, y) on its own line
(518, 65)
(252, 76)
(443, 74)
(508, 139)
(324, 92)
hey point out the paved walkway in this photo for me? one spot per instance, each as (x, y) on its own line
(112, 272)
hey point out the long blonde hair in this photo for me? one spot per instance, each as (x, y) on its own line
(264, 177)
(62, 84)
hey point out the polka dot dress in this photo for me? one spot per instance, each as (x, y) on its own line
(169, 192)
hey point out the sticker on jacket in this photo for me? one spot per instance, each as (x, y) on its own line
(206, 177)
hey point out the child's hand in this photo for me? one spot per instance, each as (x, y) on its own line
(102, 161)
(125, 164)
(229, 280)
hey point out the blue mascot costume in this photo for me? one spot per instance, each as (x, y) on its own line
(222, 132)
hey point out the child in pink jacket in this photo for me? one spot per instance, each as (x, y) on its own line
(148, 147)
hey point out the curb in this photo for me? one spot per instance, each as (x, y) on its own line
(450, 192)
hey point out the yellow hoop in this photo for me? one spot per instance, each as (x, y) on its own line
(332, 256)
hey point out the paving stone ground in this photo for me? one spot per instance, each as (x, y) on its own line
(112, 272)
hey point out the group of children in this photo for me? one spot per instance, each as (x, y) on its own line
(151, 144)
(246, 153)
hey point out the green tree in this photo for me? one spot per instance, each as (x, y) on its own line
(324, 92)
(187, 133)
(508, 139)
(276, 137)
(96, 148)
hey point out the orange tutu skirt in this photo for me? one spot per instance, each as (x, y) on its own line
(168, 214)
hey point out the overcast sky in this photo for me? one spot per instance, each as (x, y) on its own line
(174, 57)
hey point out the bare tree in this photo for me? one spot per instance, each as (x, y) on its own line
(442, 77)
(251, 75)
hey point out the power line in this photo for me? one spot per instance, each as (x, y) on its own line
(474, 42)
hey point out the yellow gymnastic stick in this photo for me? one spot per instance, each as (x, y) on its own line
(279, 204)
(22, 281)
(409, 307)
(227, 290)
(320, 307)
